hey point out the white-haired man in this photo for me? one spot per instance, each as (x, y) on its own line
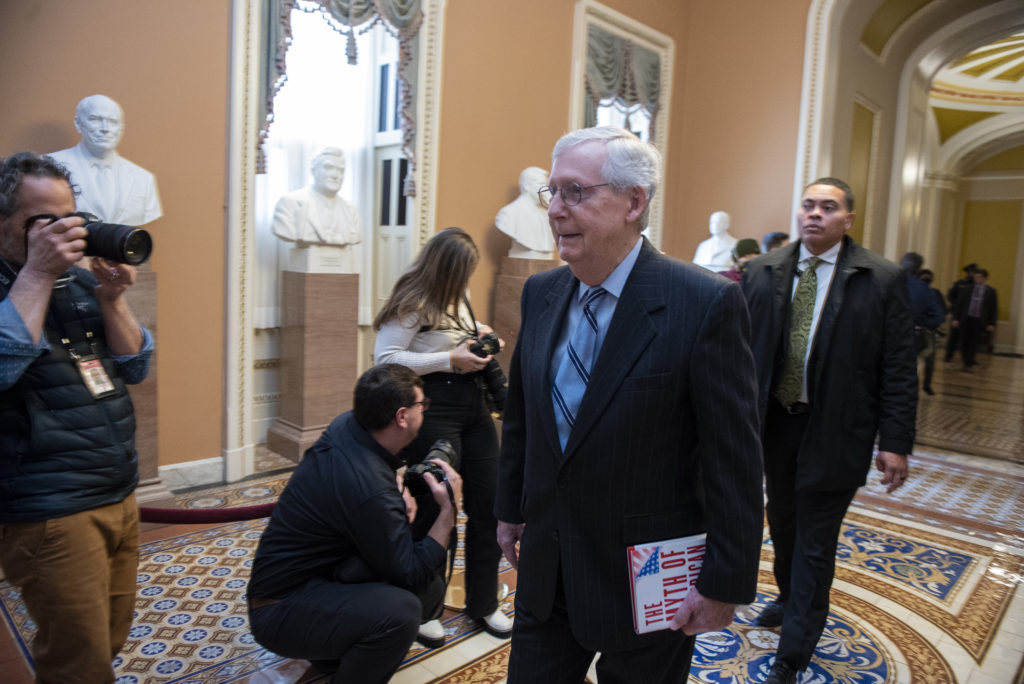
(660, 441)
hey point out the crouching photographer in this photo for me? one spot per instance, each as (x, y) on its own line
(339, 578)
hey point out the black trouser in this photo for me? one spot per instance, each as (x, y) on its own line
(359, 631)
(545, 651)
(972, 329)
(457, 413)
(928, 356)
(804, 527)
(953, 342)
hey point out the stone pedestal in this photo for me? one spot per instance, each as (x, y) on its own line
(319, 331)
(142, 298)
(512, 275)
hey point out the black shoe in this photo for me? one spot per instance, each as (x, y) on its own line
(929, 391)
(771, 616)
(781, 673)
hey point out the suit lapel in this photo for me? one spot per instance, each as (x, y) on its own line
(629, 334)
(550, 319)
(847, 264)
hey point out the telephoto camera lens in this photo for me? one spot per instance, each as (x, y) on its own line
(116, 242)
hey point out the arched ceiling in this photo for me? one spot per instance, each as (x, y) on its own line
(984, 83)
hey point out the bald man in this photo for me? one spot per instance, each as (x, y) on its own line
(110, 186)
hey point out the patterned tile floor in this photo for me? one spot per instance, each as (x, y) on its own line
(926, 586)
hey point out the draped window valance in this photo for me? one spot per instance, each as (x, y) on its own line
(621, 69)
(400, 18)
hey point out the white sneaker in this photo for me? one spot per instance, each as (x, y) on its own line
(497, 624)
(431, 634)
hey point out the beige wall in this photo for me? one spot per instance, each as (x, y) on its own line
(166, 64)
(739, 100)
(732, 133)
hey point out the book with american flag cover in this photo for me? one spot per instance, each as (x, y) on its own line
(662, 573)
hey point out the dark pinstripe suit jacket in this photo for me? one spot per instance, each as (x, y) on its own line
(665, 444)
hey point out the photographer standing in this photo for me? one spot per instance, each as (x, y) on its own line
(337, 578)
(68, 345)
(426, 325)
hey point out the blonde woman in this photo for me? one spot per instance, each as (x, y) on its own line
(427, 325)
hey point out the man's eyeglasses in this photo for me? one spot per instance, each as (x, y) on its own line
(572, 193)
(425, 403)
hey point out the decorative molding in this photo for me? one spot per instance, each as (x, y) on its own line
(942, 181)
(592, 12)
(428, 113)
(817, 100)
(178, 476)
(873, 183)
(237, 449)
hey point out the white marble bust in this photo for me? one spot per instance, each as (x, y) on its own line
(110, 186)
(316, 218)
(526, 221)
(715, 253)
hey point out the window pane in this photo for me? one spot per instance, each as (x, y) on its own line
(403, 170)
(385, 194)
(382, 109)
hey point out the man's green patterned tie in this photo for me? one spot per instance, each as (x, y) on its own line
(787, 389)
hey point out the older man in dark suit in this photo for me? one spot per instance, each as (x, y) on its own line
(834, 346)
(631, 418)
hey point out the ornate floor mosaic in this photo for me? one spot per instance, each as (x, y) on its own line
(926, 591)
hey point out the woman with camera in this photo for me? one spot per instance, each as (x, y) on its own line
(428, 326)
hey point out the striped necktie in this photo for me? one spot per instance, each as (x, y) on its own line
(574, 372)
(790, 385)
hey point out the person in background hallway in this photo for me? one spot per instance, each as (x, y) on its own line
(955, 341)
(833, 343)
(773, 241)
(928, 314)
(427, 325)
(929, 355)
(69, 343)
(631, 418)
(744, 250)
(338, 578)
(974, 314)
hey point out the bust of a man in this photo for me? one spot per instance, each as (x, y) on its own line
(316, 217)
(715, 253)
(525, 220)
(110, 186)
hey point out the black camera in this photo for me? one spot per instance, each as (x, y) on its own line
(486, 345)
(116, 242)
(442, 450)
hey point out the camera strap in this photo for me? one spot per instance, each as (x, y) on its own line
(453, 541)
(472, 316)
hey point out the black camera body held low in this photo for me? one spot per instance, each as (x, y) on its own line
(442, 450)
(486, 345)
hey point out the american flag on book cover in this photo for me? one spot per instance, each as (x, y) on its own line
(644, 561)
